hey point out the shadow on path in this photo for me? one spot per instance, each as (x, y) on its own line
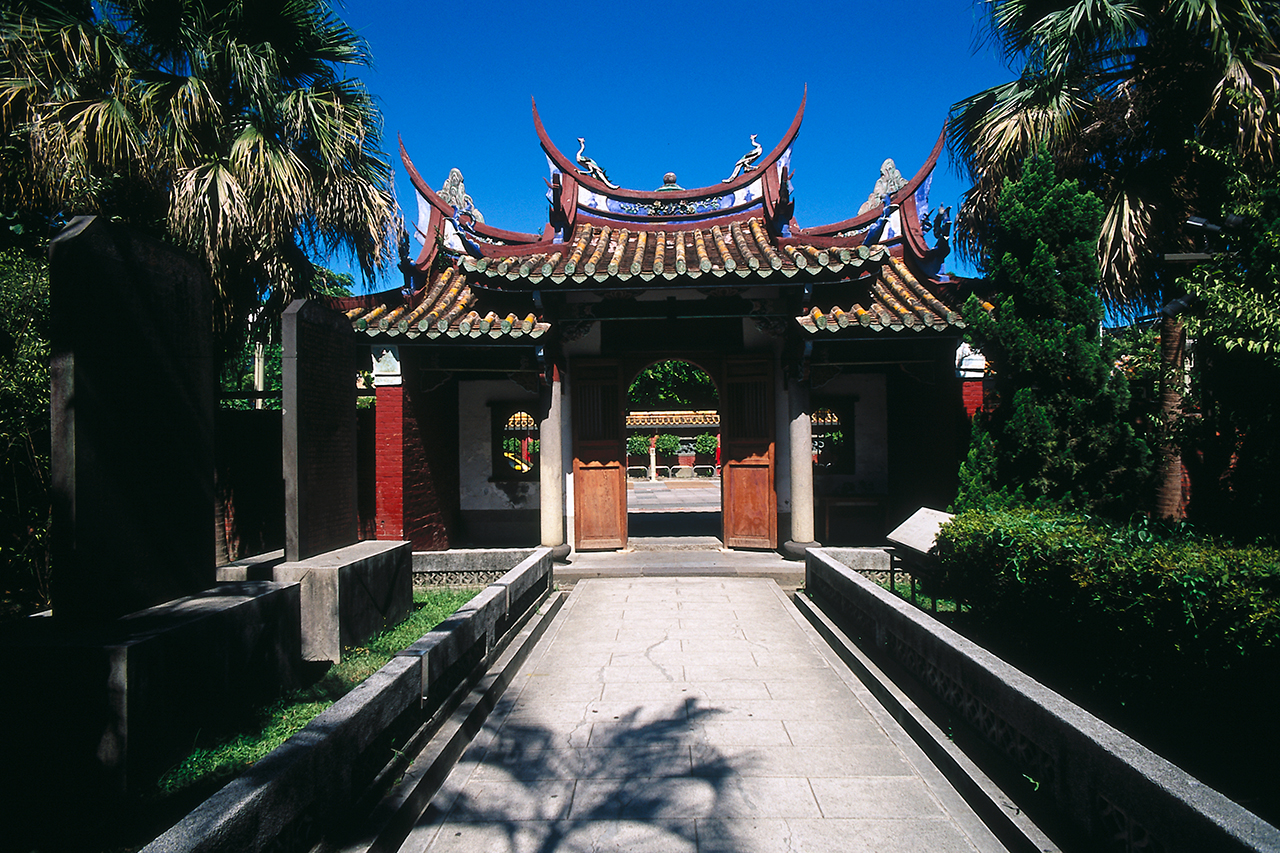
(640, 778)
(673, 524)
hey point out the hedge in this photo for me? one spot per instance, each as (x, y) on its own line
(1142, 603)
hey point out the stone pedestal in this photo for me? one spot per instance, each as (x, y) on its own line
(111, 706)
(350, 594)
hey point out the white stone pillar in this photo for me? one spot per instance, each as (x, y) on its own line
(551, 471)
(801, 456)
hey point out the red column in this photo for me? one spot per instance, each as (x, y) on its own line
(971, 393)
(389, 470)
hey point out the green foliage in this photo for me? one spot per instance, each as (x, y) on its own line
(706, 443)
(1235, 322)
(1137, 606)
(512, 446)
(24, 434)
(237, 373)
(667, 444)
(672, 385)
(235, 130)
(637, 444)
(1059, 433)
(218, 757)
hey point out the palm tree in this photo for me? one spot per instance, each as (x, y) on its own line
(1143, 101)
(228, 126)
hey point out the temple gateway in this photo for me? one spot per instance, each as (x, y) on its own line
(500, 342)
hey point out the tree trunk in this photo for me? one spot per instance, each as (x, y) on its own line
(1169, 457)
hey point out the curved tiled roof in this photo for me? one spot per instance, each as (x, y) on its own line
(898, 301)
(446, 306)
(743, 249)
(472, 280)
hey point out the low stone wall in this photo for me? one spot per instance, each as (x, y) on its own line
(286, 800)
(350, 594)
(258, 567)
(465, 566)
(1109, 787)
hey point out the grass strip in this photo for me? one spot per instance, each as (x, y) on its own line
(216, 757)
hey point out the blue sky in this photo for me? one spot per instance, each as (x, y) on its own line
(669, 86)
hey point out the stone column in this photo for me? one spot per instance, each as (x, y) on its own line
(551, 470)
(801, 442)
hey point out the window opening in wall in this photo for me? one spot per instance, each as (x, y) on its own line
(832, 442)
(515, 443)
(673, 451)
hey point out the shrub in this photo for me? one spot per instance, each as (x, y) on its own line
(705, 443)
(1139, 602)
(637, 444)
(667, 444)
(1061, 430)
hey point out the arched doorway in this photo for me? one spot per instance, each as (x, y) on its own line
(673, 452)
(748, 504)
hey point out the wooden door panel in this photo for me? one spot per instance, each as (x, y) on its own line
(748, 521)
(748, 500)
(599, 456)
(601, 518)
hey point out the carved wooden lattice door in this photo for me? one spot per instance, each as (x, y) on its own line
(748, 500)
(599, 456)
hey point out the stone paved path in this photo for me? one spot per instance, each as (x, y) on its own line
(673, 495)
(691, 714)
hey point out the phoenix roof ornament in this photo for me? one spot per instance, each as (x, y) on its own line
(591, 167)
(745, 161)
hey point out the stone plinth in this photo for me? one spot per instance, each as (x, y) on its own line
(114, 705)
(132, 406)
(350, 593)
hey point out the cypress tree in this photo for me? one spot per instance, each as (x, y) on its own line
(1059, 432)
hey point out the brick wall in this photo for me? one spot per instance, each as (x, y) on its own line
(389, 467)
(431, 466)
(416, 468)
(366, 472)
(971, 392)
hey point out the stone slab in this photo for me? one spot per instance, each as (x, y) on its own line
(319, 368)
(919, 532)
(350, 594)
(132, 401)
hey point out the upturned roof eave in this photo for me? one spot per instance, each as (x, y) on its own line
(568, 167)
(863, 220)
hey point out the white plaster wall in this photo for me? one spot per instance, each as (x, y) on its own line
(475, 451)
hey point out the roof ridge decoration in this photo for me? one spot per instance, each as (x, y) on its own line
(756, 181)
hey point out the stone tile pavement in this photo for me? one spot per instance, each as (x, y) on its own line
(691, 714)
(673, 495)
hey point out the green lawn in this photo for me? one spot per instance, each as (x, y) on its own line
(218, 756)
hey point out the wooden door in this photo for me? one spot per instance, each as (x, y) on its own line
(748, 502)
(599, 456)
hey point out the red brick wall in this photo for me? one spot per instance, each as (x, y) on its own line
(389, 467)
(971, 393)
(416, 469)
(431, 494)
